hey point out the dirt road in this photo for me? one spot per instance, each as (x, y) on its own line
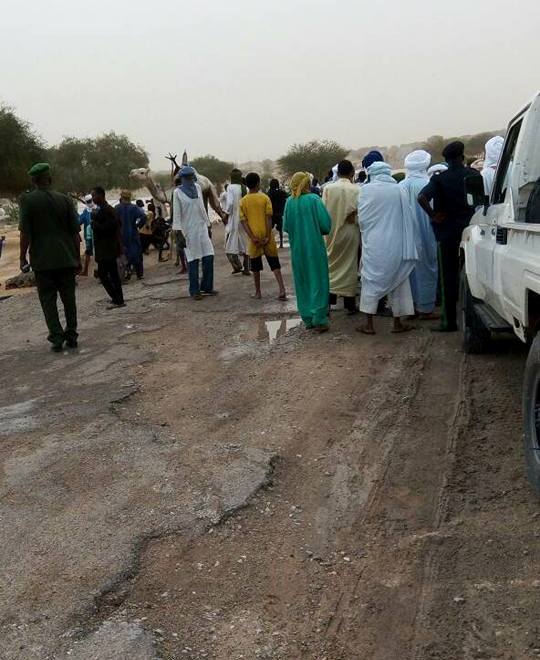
(207, 480)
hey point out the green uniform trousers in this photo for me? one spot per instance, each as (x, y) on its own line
(50, 284)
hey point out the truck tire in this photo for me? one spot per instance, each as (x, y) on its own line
(476, 338)
(531, 414)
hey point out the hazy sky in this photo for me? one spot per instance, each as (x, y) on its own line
(245, 79)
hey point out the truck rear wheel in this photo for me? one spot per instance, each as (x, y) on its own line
(531, 414)
(476, 338)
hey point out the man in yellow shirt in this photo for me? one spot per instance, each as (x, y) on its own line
(256, 217)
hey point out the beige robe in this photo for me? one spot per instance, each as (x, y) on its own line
(341, 201)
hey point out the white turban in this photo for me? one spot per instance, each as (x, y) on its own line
(494, 149)
(418, 161)
(88, 199)
(437, 169)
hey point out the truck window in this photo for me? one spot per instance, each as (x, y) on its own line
(504, 171)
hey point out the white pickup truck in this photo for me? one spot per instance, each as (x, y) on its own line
(500, 251)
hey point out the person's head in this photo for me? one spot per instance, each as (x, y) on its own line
(274, 184)
(125, 197)
(372, 157)
(345, 170)
(454, 152)
(89, 201)
(187, 174)
(236, 176)
(152, 207)
(417, 163)
(140, 203)
(300, 184)
(315, 182)
(253, 181)
(98, 195)
(40, 174)
(362, 176)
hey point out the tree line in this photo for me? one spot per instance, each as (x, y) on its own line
(78, 163)
(81, 163)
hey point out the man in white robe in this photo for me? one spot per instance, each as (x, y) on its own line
(425, 276)
(389, 250)
(235, 236)
(190, 217)
(494, 149)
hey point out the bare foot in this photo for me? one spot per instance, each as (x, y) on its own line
(257, 295)
(402, 327)
(365, 330)
(282, 296)
(322, 328)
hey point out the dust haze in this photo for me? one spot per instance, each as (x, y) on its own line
(243, 80)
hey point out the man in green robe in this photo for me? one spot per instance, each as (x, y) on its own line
(49, 228)
(306, 221)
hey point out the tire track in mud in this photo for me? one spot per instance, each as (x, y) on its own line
(401, 517)
(281, 578)
(483, 601)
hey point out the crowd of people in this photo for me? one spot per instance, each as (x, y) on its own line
(394, 247)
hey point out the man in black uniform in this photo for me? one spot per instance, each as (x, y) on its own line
(106, 228)
(49, 228)
(449, 216)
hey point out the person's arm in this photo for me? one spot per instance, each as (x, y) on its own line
(24, 241)
(245, 224)
(286, 219)
(176, 212)
(424, 200)
(24, 244)
(323, 217)
(269, 213)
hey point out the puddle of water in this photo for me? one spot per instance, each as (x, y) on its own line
(272, 330)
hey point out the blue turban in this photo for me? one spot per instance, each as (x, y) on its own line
(372, 157)
(188, 185)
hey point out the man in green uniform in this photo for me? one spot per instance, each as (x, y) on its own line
(50, 230)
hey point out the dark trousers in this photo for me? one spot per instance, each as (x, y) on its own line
(206, 284)
(135, 264)
(50, 285)
(146, 241)
(449, 279)
(349, 302)
(109, 277)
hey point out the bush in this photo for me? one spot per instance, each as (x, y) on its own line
(12, 214)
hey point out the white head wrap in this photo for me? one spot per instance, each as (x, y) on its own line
(417, 163)
(494, 149)
(335, 173)
(87, 199)
(437, 169)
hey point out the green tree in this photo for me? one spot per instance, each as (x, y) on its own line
(20, 147)
(434, 145)
(218, 171)
(316, 157)
(80, 164)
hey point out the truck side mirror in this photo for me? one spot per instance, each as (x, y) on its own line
(475, 192)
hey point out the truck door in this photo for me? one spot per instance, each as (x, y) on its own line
(498, 214)
(516, 248)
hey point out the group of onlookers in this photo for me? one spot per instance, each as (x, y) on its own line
(402, 238)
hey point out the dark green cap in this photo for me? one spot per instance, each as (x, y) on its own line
(39, 168)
